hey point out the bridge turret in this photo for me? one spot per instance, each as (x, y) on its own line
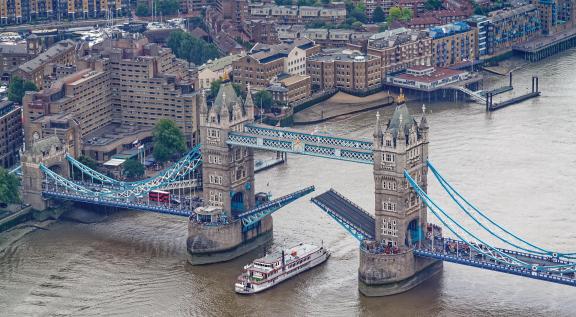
(396, 206)
(228, 171)
(390, 267)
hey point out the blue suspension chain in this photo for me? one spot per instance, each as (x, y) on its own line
(447, 185)
(427, 200)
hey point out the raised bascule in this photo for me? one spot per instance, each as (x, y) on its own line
(399, 248)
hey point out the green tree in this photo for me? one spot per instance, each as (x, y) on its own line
(398, 13)
(87, 161)
(215, 87)
(9, 188)
(239, 90)
(325, 1)
(18, 87)
(263, 99)
(433, 4)
(378, 15)
(168, 7)
(133, 169)
(359, 13)
(185, 46)
(168, 140)
(142, 10)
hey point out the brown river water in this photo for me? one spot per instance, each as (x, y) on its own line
(518, 164)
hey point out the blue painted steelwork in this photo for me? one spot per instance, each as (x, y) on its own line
(92, 173)
(193, 154)
(352, 228)
(452, 192)
(531, 261)
(251, 217)
(288, 134)
(496, 267)
(116, 203)
(285, 140)
(62, 181)
(17, 170)
(175, 173)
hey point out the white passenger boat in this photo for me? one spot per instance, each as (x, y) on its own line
(274, 268)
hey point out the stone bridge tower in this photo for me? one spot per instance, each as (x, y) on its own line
(228, 183)
(400, 216)
(51, 153)
(227, 171)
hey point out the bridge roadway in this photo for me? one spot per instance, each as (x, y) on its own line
(476, 259)
(347, 213)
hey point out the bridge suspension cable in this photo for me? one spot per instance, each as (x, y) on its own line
(453, 193)
(106, 179)
(495, 252)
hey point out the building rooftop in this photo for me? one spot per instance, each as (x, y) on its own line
(13, 48)
(44, 57)
(433, 75)
(391, 38)
(448, 29)
(341, 55)
(290, 80)
(221, 63)
(503, 14)
(6, 107)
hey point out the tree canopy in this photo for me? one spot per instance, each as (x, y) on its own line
(86, 160)
(194, 50)
(142, 10)
(433, 4)
(9, 191)
(168, 140)
(399, 13)
(378, 15)
(18, 87)
(167, 7)
(263, 99)
(133, 169)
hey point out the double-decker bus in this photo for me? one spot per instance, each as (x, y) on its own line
(159, 196)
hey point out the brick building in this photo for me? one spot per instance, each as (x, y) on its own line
(10, 133)
(453, 44)
(265, 62)
(290, 88)
(346, 69)
(400, 48)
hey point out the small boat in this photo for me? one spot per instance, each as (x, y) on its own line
(274, 268)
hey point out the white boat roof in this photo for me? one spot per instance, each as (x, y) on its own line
(301, 249)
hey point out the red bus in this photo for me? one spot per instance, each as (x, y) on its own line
(159, 196)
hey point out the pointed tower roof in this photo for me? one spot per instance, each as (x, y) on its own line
(226, 98)
(401, 120)
(249, 102)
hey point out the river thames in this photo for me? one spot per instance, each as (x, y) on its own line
(517, 164)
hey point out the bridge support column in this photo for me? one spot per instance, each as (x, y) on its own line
(381, 274)
(218, 243)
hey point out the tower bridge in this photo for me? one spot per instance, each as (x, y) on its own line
(399, 248)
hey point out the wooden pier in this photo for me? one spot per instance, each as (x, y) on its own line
(546, 46)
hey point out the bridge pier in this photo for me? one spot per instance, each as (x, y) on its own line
(381, 274)
(218, 243)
